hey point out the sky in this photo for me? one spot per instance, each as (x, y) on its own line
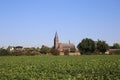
(32, 23)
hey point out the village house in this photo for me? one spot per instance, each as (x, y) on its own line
(113, 51)
(12, 48)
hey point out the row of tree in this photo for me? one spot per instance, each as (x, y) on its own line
(88, 46)
(115, 46)
(46, 50)
(30, 52)
(34, 51)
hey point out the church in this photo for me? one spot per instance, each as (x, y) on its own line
(62, 46)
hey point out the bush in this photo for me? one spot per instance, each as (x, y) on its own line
(28, 52)
(33, 53)
(17, 53)
(55, 52)
(102, 46)
(4, 52)
(45, 50)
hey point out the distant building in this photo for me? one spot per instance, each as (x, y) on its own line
(12, 48)
(18, 48)
(62, 46)
(113, 51)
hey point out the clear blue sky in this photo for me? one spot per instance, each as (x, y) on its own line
(34, 22)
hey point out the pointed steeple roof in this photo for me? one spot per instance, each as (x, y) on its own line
(56, 35)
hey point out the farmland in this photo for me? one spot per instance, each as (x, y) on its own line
(93, 67)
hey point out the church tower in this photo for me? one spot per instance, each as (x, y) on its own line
(56, 41)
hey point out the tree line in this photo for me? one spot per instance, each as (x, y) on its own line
(33, 51)
(87, 46)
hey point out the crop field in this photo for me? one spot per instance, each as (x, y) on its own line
(92, 67)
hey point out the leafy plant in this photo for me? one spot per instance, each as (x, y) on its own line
(94, 67)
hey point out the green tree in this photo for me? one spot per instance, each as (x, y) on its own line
(45, 49)
(55, 51)
(31, 51)
(102, 46)
(116, 46)
(4, 52)
(86, 46)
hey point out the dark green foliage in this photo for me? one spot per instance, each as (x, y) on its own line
(87, 46)
(116, 46)
(28, 52)
(31, 52)
(72, 49)
(17, 53)
(55, 51)
(45, 50)
(102, 46)
(4, 52)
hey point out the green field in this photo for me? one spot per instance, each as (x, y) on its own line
(95, 67)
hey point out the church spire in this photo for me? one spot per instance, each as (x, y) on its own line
(56, 35)
(56, 41)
